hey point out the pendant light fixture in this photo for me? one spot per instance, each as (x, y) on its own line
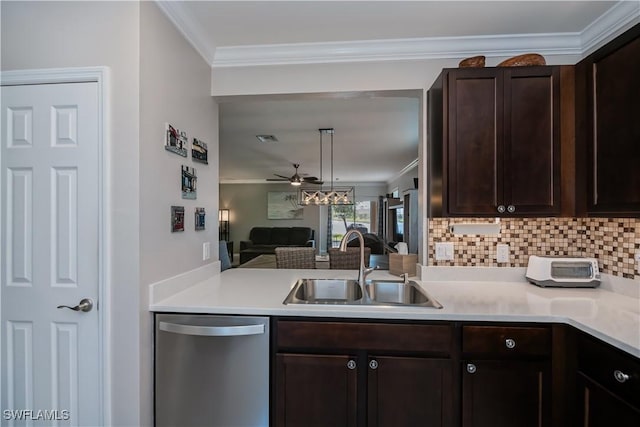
(331, 196)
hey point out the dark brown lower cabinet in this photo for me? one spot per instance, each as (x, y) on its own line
(601, 408)
(316, 390)
(363, 374)
(440, 374)
(608, 385)
(498, 393)
(325, 390)
(409, 391)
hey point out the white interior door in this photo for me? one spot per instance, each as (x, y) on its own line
(50, 356)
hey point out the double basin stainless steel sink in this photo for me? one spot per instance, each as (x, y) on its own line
(349, 292)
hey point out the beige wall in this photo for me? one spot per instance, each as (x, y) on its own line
(404, 182)
(155, 77)
(357, 76)
(247, 204)
(81, 34)
(174, 87)
(351, 77)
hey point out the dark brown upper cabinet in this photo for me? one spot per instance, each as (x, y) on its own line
(496, 139)
(608, 128)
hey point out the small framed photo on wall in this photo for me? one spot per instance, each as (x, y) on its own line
(200, 218)
(175, 140)
(177, 218)
(189, 182)
(199, 152)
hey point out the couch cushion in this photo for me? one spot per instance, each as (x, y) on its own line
(262, 249)
(299, 236)
(280, 235)
(260, 235)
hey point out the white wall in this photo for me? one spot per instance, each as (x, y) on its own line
(174, 87)
(359, 76)
(78, 34)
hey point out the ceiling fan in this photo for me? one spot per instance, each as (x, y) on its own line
(296, 179)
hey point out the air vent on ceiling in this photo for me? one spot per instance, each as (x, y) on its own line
(267, 138)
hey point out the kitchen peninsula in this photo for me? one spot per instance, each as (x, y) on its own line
(610, 316)
(493, 338)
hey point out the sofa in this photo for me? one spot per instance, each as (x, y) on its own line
(265, 240)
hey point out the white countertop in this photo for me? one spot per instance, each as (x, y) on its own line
(610, 316)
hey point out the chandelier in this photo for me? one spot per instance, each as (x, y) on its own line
(332, 195)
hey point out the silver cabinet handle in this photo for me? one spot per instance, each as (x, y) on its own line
(511, 209)
(501, 209)
(351, 364)
(620, 376)
(471, 368)
(85, 305)
(510, 343)
(212, 331)
(373, 364)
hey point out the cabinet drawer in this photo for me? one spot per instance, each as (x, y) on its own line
(499, 341)
(333, 336)
(616, 371)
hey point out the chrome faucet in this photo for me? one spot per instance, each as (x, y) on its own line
(362, 271)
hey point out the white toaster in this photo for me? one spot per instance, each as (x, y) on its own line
(563, 272)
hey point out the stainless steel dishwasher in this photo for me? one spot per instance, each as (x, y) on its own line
(211, 371)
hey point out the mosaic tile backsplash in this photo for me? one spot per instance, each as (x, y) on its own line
(613, 241)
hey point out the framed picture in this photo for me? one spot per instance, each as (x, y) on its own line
(177, 218)
(189, 182)
(199, 219)
(199, 151)
(283, 205)
(175, 140)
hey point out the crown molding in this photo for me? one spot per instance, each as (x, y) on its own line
(337, 183)
(252, 181)
(188, 27)
(619, 18)
(397, 49)
(406, 169)
(614, 21)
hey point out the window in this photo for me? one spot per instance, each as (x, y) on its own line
(344, 218)
(399, 225)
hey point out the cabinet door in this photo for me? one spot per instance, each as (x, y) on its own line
(600, 408)
(614, 148)
(532, 140)
(505, 394)
(407, 391)
(315, 390)
(474, 138)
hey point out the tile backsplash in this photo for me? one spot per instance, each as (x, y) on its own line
(613, 241)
